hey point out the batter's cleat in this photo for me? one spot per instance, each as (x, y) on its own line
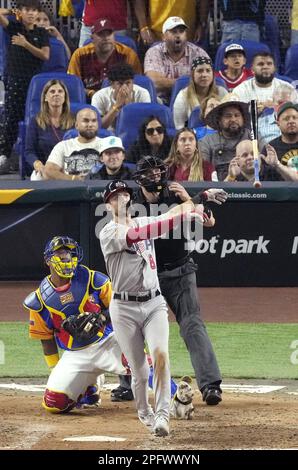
(121, 394)
(161, 427)
(91, 398)
(148, 420)
(212, 396)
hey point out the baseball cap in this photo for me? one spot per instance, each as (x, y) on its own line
(172, 22)
(234, 48)
(114, 187)
(103, 24)
(110, 142)
(284, 106)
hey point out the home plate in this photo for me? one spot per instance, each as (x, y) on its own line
(94, 439)
(245, 388)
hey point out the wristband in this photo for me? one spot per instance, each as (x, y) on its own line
(51, 360)
(231, 178)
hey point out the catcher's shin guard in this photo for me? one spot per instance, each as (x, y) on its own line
(57, 402)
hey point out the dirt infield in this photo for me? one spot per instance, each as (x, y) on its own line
(239, 422)
(273, 305)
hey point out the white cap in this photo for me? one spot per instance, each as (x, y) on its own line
(172, 22)
(234, 47)
(110, 142)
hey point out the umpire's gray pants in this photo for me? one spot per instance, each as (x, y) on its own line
(134, 323)
(179, 288)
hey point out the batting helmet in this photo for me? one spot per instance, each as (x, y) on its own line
(64, 268)
(146, 176)
(114, 187)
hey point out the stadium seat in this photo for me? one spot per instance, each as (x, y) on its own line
(142, 81)
(132, 115)
(76, 92)
(126, 40)
(183, 81)
(58, 61)
(291, 62)
(195, 118)
(272, 37)
(250, 47)
(3, 50)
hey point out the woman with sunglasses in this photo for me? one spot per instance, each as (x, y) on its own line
(201, 85)
(185, 160)
(153, 140)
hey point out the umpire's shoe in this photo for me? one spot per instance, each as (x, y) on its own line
(212, 395)
(121, 394)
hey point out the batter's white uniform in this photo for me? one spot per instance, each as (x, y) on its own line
(133, 273)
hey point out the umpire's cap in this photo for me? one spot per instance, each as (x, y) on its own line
(114, 187)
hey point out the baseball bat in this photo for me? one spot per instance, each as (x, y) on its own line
(254, 138)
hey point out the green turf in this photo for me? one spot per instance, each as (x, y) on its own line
(244, 350)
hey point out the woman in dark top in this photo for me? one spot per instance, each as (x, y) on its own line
(153, 140)
(47, 128)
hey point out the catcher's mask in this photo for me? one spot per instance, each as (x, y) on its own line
(65, 269)
(152, 174)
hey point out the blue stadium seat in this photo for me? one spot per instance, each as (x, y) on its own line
(3, 50)
(58, 61)
(126, 40)
(250, 47)
(183, 81)
(195, 118)
(76, 92)
(291, 62)
(73, 83)
(142, 81)
(132, 115)
(72, 133)
(272, 37)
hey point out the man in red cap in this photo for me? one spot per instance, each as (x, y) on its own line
(92, 62)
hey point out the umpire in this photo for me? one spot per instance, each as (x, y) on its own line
(177, 273)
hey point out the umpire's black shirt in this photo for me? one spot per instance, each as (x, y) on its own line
(168, 251)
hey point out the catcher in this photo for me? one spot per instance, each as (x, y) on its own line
(70, 309)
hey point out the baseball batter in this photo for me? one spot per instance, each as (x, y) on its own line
(70, 290)
(138, 310)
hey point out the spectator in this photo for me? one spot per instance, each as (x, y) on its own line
(73, 159)
(201, 85)
(112, 155)
(286, 146)
(92, 62)
(152, 14)
(241, 168)
(208, 104)
(264, 84)
(235, 71)
(268, 128)
(231, 120)
(122, 90)
(115, 10)
(47, 128)
(185, 159)
(153, 140)
(167, 61)
(45, 21)
(242, 20)
(28, 48)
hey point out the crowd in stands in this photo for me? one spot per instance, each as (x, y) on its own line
(191, 113)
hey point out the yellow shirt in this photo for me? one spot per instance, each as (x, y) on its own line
(160, 11)
(295, 15)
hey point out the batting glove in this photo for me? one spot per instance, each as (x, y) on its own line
(218, 196)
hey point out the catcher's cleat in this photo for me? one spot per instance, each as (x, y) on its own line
(212, 396)
(91, 398)
(121, 394)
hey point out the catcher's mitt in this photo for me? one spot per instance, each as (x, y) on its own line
(84, 326)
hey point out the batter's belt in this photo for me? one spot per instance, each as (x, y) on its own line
(136, 298)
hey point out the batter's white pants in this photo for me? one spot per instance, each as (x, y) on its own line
(134, 323)
(76, 370)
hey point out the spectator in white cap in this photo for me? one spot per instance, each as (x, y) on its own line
(171, 58)
(235, 71)
(112, 166)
